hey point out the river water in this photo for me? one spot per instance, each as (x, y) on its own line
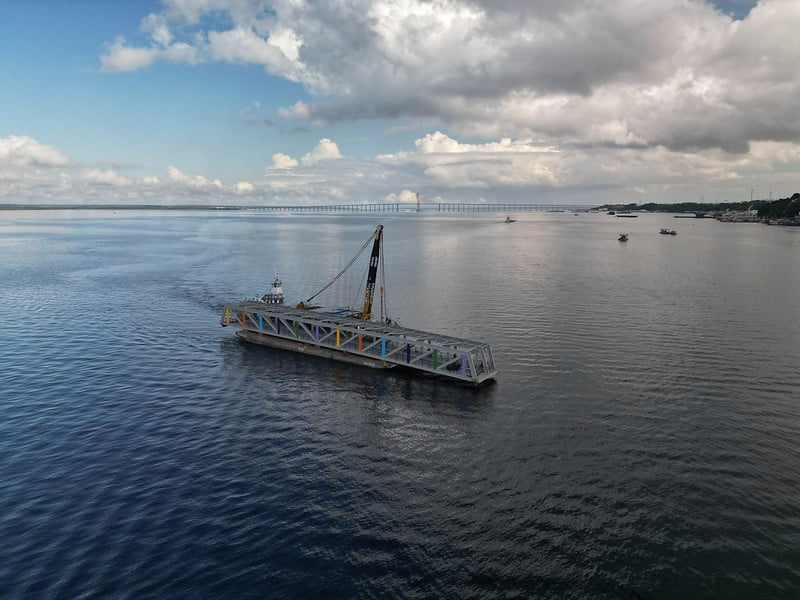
(642, 439)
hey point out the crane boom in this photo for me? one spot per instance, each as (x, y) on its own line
(372, 275)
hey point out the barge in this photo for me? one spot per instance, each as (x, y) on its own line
(353, 337)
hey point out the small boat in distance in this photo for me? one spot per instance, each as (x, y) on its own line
(509, 220)
(668, 231)
(623, 237)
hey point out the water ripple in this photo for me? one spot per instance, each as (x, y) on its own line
(641, 440)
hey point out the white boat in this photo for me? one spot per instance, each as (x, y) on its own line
(275, 295)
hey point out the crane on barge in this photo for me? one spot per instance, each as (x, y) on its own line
(375, 260)
(372, 275)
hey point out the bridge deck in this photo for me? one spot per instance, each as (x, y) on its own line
(510, 208)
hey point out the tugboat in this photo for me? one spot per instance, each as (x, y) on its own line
(623, 237)
(275, 295)
(509, 220)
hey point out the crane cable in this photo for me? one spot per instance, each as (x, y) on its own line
(350, 264)
(384, 299)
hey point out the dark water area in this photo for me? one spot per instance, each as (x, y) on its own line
(642, 439)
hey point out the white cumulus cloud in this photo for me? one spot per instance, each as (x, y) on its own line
(23, 150)
(243, 187)
(107, 177)
(299, 110)
(403, 196)
(194, 181)
(121, 58)
(508, 162)
(283, 161)
(324, 150)
(244, 45)
(158, 28)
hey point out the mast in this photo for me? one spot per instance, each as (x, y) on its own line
(372, 275)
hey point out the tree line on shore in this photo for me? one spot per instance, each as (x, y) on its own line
(784, 208)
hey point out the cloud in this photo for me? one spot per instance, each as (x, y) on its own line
(120, 58)
(243, 187)
(439, 165)
(505, 163)
(299, 110)
(680, 74)
(193, 181)
(403, 196)
(438, 142)
(278, 54)
(282, 161)
(324, 150)
(107, 177)
(156, 25)
(22, 150)
(254, 39)
(180, 52)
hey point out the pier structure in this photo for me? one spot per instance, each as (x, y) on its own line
(510, 208)
(369, 343)
(323, 208)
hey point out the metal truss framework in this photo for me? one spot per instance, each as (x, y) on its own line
(442, 355)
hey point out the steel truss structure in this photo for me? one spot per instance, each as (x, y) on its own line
(378, 344)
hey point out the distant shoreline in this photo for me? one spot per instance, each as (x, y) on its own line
(783, 208)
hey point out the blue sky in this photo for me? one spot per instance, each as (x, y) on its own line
(54, 91)
(258, 102)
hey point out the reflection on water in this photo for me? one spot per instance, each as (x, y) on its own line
(640, 440)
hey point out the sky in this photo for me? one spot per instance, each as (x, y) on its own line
(254, 102)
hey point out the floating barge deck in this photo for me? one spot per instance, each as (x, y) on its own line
(344, 338)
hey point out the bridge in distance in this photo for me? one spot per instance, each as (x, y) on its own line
(440, 207)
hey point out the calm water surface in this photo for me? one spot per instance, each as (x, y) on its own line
(642, 439)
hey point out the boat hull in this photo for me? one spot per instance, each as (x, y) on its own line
(340, 355)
